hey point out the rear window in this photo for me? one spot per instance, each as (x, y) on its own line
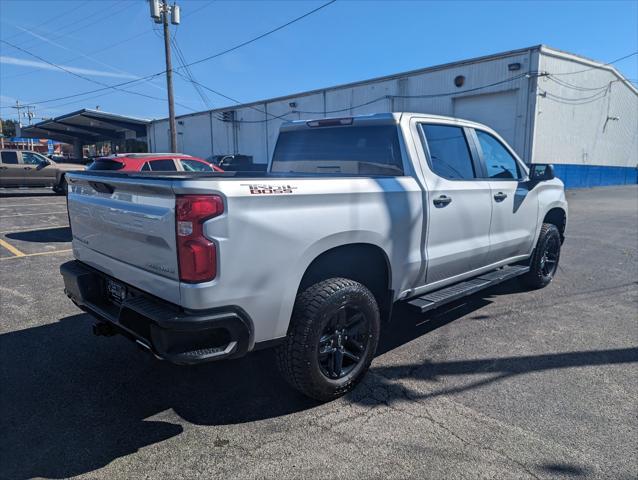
(9, 158)
(105, 165)
(356, 150)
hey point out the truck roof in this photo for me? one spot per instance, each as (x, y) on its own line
(373, 118)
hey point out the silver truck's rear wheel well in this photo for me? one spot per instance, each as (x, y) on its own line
(556, 216)
(362, 262)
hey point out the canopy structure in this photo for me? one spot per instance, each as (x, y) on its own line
(86, 127)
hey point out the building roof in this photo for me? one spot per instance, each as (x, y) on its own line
(88, 126)
(509, 53)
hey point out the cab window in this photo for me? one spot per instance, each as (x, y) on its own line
(31, 158)
(449, 152)
(498, 161)
(9, 158)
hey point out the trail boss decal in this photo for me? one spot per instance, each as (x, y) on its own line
(258, 189)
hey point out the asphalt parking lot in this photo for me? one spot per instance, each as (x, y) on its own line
(508, 384)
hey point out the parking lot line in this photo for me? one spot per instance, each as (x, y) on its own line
(36, 254)
(30, 229)
(26, 214)
(12, 249)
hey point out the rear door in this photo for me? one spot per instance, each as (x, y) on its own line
(10, 169)
(458, 201)
(514, 205)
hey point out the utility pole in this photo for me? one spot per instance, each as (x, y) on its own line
(160, 9)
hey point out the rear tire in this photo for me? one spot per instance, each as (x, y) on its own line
(332, 339)
(544, 261)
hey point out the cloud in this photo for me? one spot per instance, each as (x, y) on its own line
(45, 66)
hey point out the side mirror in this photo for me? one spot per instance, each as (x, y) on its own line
(540, 172)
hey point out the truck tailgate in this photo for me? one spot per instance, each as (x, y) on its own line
(128, 220)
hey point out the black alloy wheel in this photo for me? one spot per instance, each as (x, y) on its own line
(549, 258)
(332, 338)
(543, 263)
(343, 342)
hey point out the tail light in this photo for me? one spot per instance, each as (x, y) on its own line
(196, 254)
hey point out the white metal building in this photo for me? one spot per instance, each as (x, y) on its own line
(551, 106)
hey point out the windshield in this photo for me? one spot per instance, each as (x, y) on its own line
(354, 150)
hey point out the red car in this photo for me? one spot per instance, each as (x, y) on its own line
(153, 162)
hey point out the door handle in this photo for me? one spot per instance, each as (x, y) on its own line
(500, 196)
(28, 168)
(442, 201)
(4, 168)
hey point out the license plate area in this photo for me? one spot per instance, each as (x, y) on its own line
(115, 291)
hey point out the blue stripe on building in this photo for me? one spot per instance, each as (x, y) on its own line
(583, 176)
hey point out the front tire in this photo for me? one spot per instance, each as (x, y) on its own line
(544, 261)
(62, 187)
(332, 338)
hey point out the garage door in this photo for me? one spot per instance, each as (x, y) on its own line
(496, 110)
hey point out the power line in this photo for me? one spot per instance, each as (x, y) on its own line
(110, 87)
(56, 37)
(75, 74)
(572, 102)
(55, 17)
(259, 37)
(76, 26)
(361, 105)
(199, 9)
(578, 88)
(599, 66)
(216, 92)
(182, 60)
(92, 52)
(189, 64)
(596, 95)
(95, 60)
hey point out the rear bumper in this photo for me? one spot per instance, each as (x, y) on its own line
(172, 333)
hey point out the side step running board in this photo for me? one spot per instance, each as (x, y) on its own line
(435, 299)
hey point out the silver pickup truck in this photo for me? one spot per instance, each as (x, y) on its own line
(353, 215)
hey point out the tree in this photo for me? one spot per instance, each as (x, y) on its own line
(8, 128)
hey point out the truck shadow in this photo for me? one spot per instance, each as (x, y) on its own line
(72, 403)
(47, 235)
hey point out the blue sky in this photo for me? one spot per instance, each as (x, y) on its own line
(344, 42)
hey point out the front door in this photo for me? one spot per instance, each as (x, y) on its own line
(514, 205)
(37, 170)
(459, 203)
